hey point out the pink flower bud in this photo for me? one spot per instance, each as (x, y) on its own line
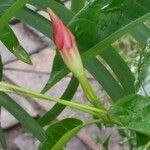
(66, 44)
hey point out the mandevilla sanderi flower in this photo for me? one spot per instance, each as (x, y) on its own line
(66, 45)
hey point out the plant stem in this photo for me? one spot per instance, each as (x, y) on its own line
(90, 94)
(15, 89)
(92, 122)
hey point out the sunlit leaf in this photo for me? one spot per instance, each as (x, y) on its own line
(133, 112)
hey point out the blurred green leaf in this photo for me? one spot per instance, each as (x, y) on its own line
(58, 8)
(2, 139)
(11, 12)
(60, 133)
(120, 69)
(58, 66)
(102, 75)
(1, 68)
(141, 34)
(4, 5)
(77, 5)
(33, 19)
(58, 108)
(144, 71)
(9, 39)
(2, 136)
(22, 116)
(106, 142)
(133, 112)
(141, 139)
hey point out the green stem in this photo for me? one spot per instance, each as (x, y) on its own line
(90, 94)
(15, 89)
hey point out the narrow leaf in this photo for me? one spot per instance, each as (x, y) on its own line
(60, 133)
(58, 8)
(141, 33)
(2, 139)
(55, 76)
(2, 136)
(11, 12)
(20, 114)
(141, 139)
(4, 5)
(133, 113)
(1, 68)
(6, 34)
(33, 19)
(77, 5)
(120, 69)
(144, 71)
(106, 80)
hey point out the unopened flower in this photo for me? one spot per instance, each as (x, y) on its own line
(66, 45)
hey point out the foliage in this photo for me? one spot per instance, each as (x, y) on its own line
(96, 25)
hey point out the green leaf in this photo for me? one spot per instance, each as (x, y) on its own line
(58, 108)
(59, 9)
(77, 5)
(2, 136)
(60, 133)
(102, 75)
(120, 69)
(33, 19)
(6, 34)
(4, 5)
(11, 12)
(60, 1)
(2, 139)
(55, 76)
(1, 68)
(133, 112)
(106, 142)
(141, 139)
(141, 34)
(22, 116)
(144, 71)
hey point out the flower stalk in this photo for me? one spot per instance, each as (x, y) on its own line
(90, 94)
